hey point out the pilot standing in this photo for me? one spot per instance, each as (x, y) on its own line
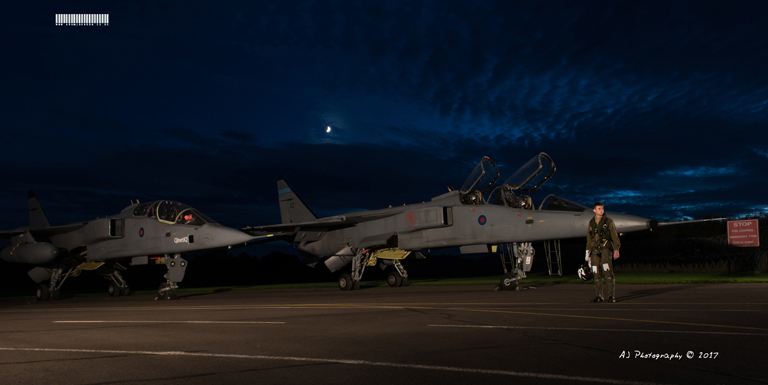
(602, 248)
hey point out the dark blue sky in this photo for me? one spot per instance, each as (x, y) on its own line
(659, 109)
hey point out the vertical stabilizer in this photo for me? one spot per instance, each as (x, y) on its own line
(37, 217)
(292, 209)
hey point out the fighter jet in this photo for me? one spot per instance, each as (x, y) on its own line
(159, 231)
(504, 221)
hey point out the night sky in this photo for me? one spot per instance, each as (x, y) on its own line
(658, 109)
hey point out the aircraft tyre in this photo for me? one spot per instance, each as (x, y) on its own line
(164, 292)
(55, 295)
(126, 291)
(114, 290)
(508, 282)
(42, 293)
(404, 282)
(356, 285)
(345, 282)
(394, 279)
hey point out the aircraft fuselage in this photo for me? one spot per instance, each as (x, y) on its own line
(446, 222)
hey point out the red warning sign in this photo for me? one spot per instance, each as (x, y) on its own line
(744, 233)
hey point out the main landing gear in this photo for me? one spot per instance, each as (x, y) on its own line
(360, 260)
(177, 266)
(52, 290)
(516, 259)
(56, 276)
(117, 284)
(399, 277)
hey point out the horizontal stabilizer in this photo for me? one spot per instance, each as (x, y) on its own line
(311, 260)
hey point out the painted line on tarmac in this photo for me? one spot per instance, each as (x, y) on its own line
(371, 305)
(343, 362)
(415, 306)
(612, 308)
(592, 317)
(171, 322)
(597, 330)
(211, 307)
(411, 306)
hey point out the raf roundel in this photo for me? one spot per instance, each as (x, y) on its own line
(141, 232)
(482, 220)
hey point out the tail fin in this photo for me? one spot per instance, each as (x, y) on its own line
(292, 209)
(37, 217)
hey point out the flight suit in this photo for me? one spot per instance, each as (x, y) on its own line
(602, 240)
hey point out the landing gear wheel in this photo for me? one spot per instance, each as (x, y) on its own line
(394, 279)
(356, 285)
(345, 282)
(42, 293)
(508, 282)
(125, 291)
(114, 290)
(404, 282)
(55, 295)
(165, 292)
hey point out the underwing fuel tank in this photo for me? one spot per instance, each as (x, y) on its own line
(37, 253)
(341, 259)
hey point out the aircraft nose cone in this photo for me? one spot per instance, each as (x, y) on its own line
(627, 223)
(225, 236)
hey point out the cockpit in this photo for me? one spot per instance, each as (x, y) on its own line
(479, 182)
(528, 178)
(172, 212)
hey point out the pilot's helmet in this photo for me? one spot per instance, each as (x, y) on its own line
(585, 273)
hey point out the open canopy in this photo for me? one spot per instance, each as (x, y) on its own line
(482, 177)
(533, 174)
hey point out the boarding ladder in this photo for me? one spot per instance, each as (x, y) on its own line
(552, 248)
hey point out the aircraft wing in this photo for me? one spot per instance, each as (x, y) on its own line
(329, 223)
(10, 234)
(43, 231)
(56, 230)
(661, 224)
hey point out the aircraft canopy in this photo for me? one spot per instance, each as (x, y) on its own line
(482, 177)
(171, 212)
(533, 174)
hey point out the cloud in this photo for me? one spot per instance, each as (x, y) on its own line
(655, 108)
(702, 171)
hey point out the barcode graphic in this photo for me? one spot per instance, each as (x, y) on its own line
(82, 19)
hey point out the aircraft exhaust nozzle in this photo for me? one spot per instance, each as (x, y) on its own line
(35, 253)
